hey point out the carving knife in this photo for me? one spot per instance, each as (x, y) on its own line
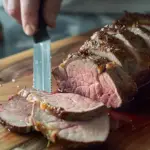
(42, 56)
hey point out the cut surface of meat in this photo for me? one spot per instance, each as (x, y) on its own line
(92, 131)
(15, 113)
(125, 43)
(22, 116)
(105, 82)
(68, 106)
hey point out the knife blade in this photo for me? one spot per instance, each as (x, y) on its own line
(42, 56)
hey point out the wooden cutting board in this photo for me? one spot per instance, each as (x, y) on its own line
(133, 136)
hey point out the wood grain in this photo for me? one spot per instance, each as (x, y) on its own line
(9, 140)
(12, 88)
(20, 67)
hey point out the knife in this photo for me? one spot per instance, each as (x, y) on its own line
(42, 56)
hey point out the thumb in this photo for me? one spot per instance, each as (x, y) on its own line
(51, 9)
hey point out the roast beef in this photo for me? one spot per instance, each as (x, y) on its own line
(85, 132)
(137, 36)
(105, 44)
(67, 106)
(96, 78)
(124, 43)
(139, 24)
(123, 47)
(15, 113)
(128, 37)
(20, 115)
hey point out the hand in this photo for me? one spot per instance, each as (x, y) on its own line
(26, 12)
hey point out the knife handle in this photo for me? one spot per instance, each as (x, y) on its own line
(42, 24)
(41, 34)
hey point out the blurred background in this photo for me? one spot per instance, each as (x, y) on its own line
(76, 17)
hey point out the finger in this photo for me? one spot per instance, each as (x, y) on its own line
(29, 15)
(5, 3)
(51, 9)
(13, 9)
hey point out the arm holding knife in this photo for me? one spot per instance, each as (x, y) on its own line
(26, 12)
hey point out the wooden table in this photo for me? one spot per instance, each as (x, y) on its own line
(19, 67)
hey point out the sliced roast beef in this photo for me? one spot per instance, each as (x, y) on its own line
(137, 36)
(20, 115)
(98, 80)
(131, 37)
(136, 33)
(136, 58)
(68, 106)
(85, 132)
(105, 45)
(15, 113)
(137, 30)
(137, 46)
